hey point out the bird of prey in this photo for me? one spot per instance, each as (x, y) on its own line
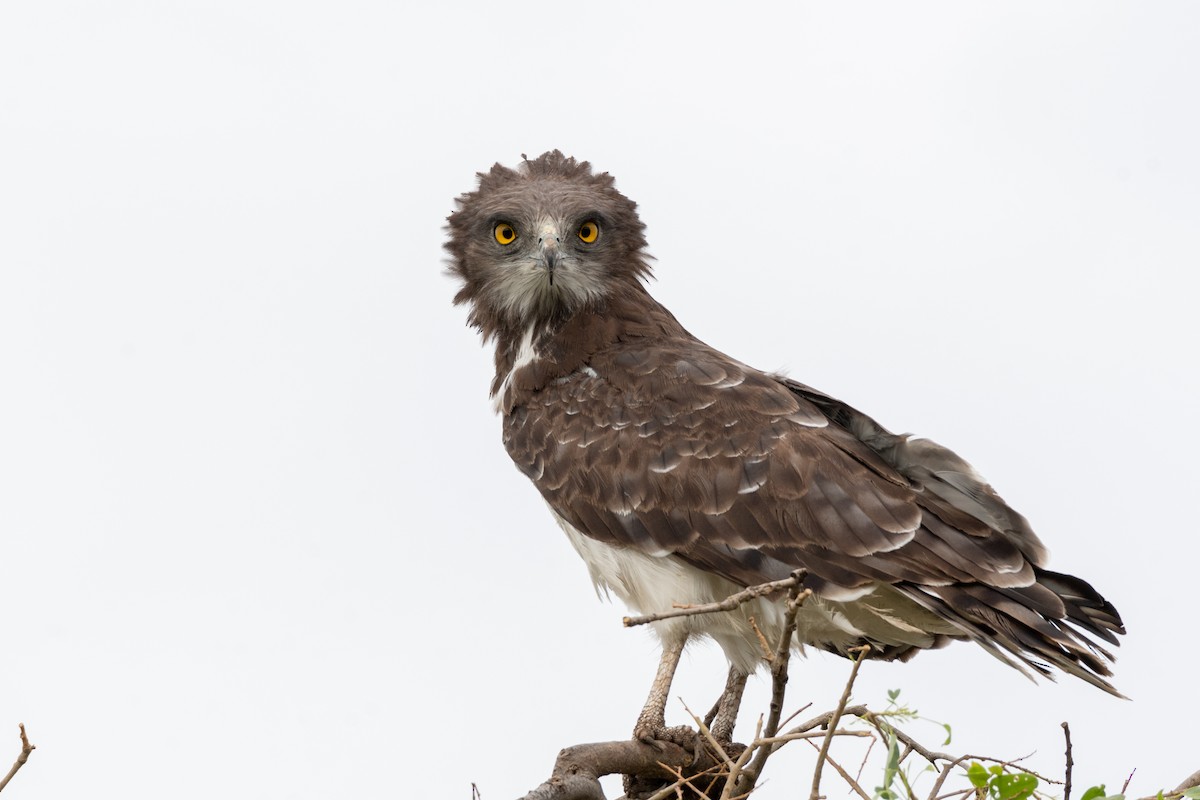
(682, 475)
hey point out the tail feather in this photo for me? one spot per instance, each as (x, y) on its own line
(1040, 626)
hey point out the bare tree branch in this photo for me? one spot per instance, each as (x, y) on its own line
(26, 749)
(779, 678)
(735, 774)
(1125, 785)
(1190, 782)
(828, 718)
(728, 604)
(929, 755)
(941, 779)
(672, 772)
(815, 792)
(1070, 762)
(793, 737)
(578, 769)
(718, 749)
(845, 775)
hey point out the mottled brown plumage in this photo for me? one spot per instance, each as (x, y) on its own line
(679, 472)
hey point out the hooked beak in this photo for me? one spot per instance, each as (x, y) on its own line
(550, 256)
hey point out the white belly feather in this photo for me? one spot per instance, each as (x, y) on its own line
(649, 584)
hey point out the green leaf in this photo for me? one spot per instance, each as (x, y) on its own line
(1191, 794)
(979, 776)
(1094, 793)
(893, 694)
(949, 734)
(1014, 787)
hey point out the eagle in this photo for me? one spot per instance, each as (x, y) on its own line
(682, 475)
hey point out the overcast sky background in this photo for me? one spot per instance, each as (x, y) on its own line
(260, 537)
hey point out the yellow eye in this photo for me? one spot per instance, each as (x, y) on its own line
(588, 231)
(505, 233)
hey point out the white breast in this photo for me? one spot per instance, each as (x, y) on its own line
(649, 584)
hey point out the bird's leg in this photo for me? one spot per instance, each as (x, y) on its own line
(652, 722)
(724, 714)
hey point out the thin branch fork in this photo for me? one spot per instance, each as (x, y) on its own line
(26, 749)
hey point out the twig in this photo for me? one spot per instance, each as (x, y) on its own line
(941, 779)
(681, 781)
(845, 775)
(26, 749)
(718, 749)
(866, 755)
(731, 782)
(841, 706)
(957, 793)
(1016, 762)
(673, 789)
(783, 654)
(796, 713)
(1070, 762)
(728, 604)
(1125, 785)
(779, 679)
(792, 737)
(762, 641)
(929, 755)
(828, 718)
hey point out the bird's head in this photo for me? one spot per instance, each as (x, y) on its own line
(542, 242)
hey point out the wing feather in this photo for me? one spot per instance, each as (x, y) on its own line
(671, 448)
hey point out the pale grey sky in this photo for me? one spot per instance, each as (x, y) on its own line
(261, 539)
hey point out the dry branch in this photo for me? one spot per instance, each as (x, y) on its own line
(845, 775)
(1190, 782)
(728, 604)
(815, 792)
(745, 781)
(671, 771)
(26, 749)
(1070, 763)
(578, 769)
